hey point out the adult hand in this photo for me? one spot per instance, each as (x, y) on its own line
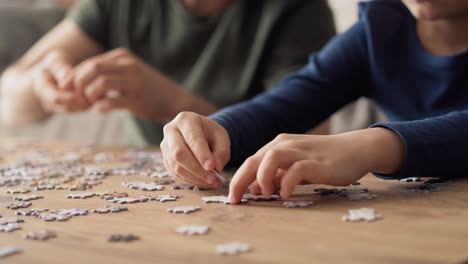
(49, 85)
(120, 80)
(193, 146)
(341, 159)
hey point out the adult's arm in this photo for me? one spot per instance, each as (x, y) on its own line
(19, 102)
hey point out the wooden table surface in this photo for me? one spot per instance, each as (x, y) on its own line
(417, 227)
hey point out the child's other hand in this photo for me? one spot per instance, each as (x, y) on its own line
(341, 159)
(193, 146)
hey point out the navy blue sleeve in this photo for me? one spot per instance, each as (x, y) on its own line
(435, 147)
(335, 76)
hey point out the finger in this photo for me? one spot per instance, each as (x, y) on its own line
(181, 153)
(107, 105)
(242, 179)
(99, 87)
(88, 71)
(274, 160)
(192, 132)
(255, 188)
(183, 175)
(60, 70)
(295, 175)
(220, 145)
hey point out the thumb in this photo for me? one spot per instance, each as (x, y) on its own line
(220, 144)
(191, 129)
(61, 72)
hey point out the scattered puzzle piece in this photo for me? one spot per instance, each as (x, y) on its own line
(123, 200)
(363, 214)
(25, 198)
(411, 179)
(189, 187)
(193, 230)
(233, 248)
(49, 217)
(73, 212)
(219, 199)
(166, 198)
(41, 235)
(294, 204)
(10, 227)
(258, 198)
(17, 191)
(183, 209)
(80, 195)
(151, 187)
(109, 209)
(133, 184)
(10, 220)
(9, 251)
(158, 175)
(43, 187)
(113, 195)
(163, 181)
(20, 205)
(361, 196)
(32, 212)
(123, 238)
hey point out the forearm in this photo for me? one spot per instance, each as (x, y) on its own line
(19, 105)
(176, 99)
(380, 150)
(434, 147)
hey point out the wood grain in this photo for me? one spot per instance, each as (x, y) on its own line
(417, 227)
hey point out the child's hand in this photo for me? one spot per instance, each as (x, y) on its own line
(342, 159)
(193, 146)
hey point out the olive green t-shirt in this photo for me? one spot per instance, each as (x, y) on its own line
(225, 59)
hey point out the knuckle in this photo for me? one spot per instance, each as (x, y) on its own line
(274, 154)
(301, 166)
(162, 146)
(94, 66)
(183, 116)
(282, 137)
(167, 128)
(249, 162)
(123, 50)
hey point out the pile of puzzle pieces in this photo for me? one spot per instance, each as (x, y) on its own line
(41, 169)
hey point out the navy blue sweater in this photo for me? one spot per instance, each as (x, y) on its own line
(380, 57)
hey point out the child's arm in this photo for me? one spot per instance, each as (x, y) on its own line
(335, 76)
(434, 147)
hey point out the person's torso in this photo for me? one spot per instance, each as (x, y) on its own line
(406, 81)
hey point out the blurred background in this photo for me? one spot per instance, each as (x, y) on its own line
(23, 22)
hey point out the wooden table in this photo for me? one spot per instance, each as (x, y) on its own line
(417, 227)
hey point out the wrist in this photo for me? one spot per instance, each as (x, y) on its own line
(384, 150)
